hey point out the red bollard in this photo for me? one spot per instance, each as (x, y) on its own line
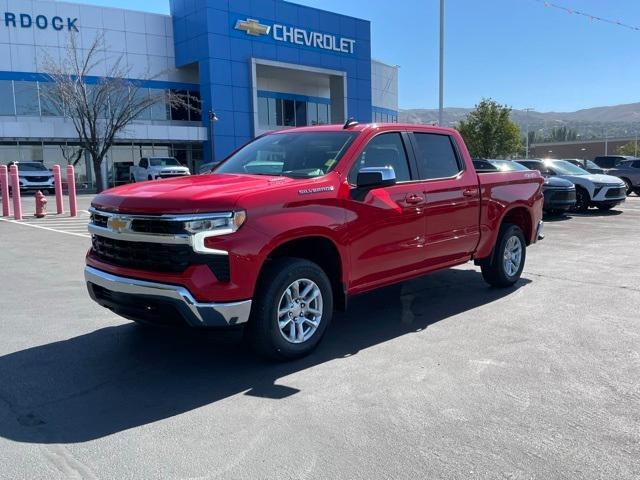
(71, 185)
(4, 186)
(57, 183)
(41, 205)
(15, 190)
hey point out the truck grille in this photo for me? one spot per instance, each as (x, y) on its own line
(157, 257)
(616, 192)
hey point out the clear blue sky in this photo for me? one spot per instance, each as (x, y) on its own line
(516, 51)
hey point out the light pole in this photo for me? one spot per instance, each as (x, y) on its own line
(526, 155)
(441, 103)
(213, 118)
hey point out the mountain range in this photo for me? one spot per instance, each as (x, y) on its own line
(612, 121)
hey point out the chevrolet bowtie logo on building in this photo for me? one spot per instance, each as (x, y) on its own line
(117, 225)
(297, 36)
(253, 27)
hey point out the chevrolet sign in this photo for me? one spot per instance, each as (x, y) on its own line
(297, 36)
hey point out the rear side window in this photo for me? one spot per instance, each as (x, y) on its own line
(436, 156)
(385, 150)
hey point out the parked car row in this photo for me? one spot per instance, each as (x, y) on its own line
(569, 186)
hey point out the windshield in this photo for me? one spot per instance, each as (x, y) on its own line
(566, 168)
(507, 165)
(32, 167)
(293, 154)
(164, 162)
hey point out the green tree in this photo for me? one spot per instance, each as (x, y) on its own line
(631, 149)
(489, 131)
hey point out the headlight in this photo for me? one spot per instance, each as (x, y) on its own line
(215, 225)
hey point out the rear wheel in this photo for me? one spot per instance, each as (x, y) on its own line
(582, 200)
(508, 258)
(292, 308)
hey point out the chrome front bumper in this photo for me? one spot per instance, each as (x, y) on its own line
(142, 300)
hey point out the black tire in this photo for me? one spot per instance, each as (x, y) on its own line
(628, 186)
(495, 274)
(637, 191)
(583, 200)
(150, 178)
(263, 330)
(605, 208)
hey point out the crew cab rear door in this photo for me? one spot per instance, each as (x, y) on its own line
(452, 198)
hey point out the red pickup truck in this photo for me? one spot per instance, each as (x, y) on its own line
(291, 225)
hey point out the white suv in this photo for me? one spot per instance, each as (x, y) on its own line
(592, 190)
(156, 168)
(34, 176)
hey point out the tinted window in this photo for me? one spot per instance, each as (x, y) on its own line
(385, 150)
(27, 103)
(6, 98)
(636, 164)
(143, 163)
(436, 156)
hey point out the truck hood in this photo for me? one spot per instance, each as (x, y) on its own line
(194, 194)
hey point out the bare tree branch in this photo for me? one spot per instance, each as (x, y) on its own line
(101, 109)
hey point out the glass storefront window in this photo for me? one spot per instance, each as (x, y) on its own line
(273, 115)
(312, 113)
(178, 112)
(7, 106)
(263, 112)
(301, 113)
(195, 110)
(159, 110)
(26, 95)
(48, 107)
(323, 114)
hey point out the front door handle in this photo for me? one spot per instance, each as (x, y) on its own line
(470, 192)
(414, 199)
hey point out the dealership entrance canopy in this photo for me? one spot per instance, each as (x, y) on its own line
(258, 65)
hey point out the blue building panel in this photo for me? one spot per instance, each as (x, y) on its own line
(223, 36)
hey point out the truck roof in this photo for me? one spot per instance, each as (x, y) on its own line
(361, 127)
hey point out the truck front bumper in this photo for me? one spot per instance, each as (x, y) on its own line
(159, 303)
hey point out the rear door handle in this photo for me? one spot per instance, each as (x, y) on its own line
(414, 199)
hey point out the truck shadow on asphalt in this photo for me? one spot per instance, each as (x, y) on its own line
(118, 378)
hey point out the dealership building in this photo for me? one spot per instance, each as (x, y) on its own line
(259, 65)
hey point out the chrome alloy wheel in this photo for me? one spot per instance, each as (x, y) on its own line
(300, 311)
(512, 256)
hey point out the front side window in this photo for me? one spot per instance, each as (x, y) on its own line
(436, 156)
(292, 154)
(385, 150)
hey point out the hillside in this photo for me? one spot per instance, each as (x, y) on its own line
(616, 121)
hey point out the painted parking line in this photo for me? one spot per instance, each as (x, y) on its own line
(75, 226)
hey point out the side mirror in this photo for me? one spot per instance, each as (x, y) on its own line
(376, 177)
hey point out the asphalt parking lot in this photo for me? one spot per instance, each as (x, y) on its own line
(440, 377)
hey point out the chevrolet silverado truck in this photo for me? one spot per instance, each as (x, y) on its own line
(347, 210)
(156, 168)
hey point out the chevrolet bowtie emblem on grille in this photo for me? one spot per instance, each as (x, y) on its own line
(253, 27)
(118, 225)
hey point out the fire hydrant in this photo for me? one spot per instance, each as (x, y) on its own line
(41, 205)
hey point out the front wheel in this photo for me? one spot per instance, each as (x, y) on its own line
(508, 259)
(628, 186)
(582, 200)
(292, 308)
